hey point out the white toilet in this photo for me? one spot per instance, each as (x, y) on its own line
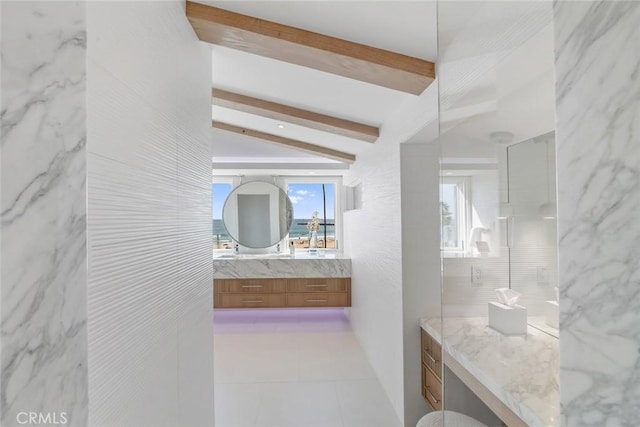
(452, 419)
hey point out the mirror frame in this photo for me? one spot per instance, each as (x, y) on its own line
(288, 214)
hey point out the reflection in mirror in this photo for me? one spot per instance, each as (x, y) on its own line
(496, 88)
(257, 214)
(532, 195)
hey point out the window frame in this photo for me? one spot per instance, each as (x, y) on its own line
(463, 213)
(338, 202)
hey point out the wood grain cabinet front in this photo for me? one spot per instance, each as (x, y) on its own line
(274, 293)
(431, 371)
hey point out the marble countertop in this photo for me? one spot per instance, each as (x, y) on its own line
(521, 371)
(281, 266)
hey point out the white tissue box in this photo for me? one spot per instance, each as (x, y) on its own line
(551, 313)
(510, 320)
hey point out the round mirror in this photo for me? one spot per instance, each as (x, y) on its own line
(257, 214)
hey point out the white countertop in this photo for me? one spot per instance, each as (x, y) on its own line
(521, 371)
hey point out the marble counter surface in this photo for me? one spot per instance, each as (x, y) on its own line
(521, 371)
(284, 266)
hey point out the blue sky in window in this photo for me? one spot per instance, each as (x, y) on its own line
(220, 193)
(307, 198)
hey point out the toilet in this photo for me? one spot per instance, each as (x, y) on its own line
(452, 419)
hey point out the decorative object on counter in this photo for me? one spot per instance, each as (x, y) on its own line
(506, 316)
(292, 248)
(313, 225)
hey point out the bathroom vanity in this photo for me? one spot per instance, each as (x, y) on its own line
(278, 281)
(515, 376)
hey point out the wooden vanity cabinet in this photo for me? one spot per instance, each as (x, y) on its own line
(279, 293)
(431, 371)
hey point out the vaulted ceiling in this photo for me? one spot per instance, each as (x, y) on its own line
(311, 83)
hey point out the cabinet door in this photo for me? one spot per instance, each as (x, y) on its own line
(431, 389)
(317, 285)
(250, 300)
(320, 299)
(249, 286)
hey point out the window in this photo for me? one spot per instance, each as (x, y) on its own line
(454, 206)
(309, 196)
(221, 238)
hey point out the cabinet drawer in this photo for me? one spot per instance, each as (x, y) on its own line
(431, 388)
(250, 286)
(250, 300)
(325, 299)
(432, 354)
(317, 285)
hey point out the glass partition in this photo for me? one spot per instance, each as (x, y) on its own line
(499, 239)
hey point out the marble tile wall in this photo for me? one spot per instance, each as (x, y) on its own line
(43, 205)
(598, 129)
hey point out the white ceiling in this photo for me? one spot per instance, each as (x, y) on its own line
(407, 27)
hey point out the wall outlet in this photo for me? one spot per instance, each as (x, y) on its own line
(542, 274)
(476, 275)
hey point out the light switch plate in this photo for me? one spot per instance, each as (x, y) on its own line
(542, 274)
(476, 275)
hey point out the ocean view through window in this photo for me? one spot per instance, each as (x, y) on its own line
(221, 238)
(308, 198)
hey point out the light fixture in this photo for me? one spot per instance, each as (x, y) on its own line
(501, 137)
(280, 126)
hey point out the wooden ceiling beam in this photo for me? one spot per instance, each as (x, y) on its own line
(291, 143)
(308, 49)
(294, 116)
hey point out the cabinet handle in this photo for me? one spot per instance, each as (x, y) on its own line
(316, 300)
(433, 359)
(431, 395)
(316, 286)
(251, 286)
(246, 301)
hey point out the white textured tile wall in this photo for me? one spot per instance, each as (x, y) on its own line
(598, 110)
(373, 239)
(43, 204)
(149, 217)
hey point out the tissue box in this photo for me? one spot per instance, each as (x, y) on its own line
(510, 320)
(551, 313)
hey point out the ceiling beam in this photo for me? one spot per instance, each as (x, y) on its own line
(291, 143)
(308, 49)
(294, 116)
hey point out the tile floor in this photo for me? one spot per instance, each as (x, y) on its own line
(294, 368)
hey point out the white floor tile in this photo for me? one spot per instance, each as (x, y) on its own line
(294, 368)
(237, 404)
(364, 404)
(299, 404)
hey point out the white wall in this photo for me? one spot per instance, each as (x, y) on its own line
(149, 217)
(372, 238)
(43, 203)
(419, 173)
